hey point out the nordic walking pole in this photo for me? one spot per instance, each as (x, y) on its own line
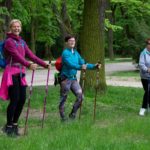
(83, 80)
(96, 88)
(29, 98)
(45, 98)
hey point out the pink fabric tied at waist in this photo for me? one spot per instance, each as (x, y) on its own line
(7, 80)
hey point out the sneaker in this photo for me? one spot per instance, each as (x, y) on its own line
(142, 111)
(72, 116)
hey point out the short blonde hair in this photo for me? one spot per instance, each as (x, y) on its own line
(14, 21)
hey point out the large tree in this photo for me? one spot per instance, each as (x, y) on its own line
(92, 40)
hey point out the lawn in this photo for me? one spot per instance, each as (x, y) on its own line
(118, 60)
(126, 73)
(117, 125)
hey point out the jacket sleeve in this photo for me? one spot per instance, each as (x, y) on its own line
(82, 61)
(68, 61)
(91, 66)
(142, 65)
(10, 48)
(33, 57)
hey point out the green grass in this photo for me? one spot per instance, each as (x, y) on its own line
(118, 60)
(117, 125)
(126, 73)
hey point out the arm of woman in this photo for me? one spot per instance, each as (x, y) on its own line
(83, 63)
(10, 48)
(142, 64)
(34, 58)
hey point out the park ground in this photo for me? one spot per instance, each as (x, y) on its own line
(117, 125)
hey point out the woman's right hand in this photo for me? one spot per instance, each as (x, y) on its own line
(33, 66)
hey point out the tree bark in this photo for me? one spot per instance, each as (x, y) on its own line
(111, 17)
(66, 21)
(92, 40)
(4, 26)
(63, 21)
(33, 41)
(8, 4)
(48, 52)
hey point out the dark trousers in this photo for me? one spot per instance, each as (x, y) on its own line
(75, 87)
(146, 97)
(17, 94)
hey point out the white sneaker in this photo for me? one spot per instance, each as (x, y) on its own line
(142, 111)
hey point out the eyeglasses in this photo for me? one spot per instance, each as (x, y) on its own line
(148, 43)
(71, 40)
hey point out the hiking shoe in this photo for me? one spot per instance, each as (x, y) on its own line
(8, 130)
(142, 111)
(72, 116)
(64, 119)
(16, 130)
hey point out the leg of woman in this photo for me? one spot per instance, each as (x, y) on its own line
(145, 97)
(14, 94)
(64, 90)
(19, 109)
(77, 90)
(20, 104)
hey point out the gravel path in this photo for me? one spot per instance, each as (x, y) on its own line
(41, 75)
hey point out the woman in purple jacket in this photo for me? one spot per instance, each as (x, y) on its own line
(14, 84)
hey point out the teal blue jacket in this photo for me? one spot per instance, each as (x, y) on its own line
(71, 62)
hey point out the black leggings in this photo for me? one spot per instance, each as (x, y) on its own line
(146, 97)
(17, 94)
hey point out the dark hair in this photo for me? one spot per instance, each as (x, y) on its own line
(147, 41)
(69, 37)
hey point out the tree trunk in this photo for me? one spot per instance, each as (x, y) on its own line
(92, 40)
(111, 17)
(4, 26)
(66, 28)
(32, 36)
(63, 21)
(8, 4)
(48, 53)
(110, 44)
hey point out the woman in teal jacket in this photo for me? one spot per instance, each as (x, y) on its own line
(71, 62)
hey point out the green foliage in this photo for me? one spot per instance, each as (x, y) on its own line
(131, 24)
(19, 11)
(108, 25)
(3, 11)
(134, 20)
(75, 10)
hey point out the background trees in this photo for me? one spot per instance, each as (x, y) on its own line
(131, 15)
(106, 28)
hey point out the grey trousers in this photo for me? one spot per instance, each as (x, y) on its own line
(65, 87)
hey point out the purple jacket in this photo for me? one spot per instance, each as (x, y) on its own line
(16, 50)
